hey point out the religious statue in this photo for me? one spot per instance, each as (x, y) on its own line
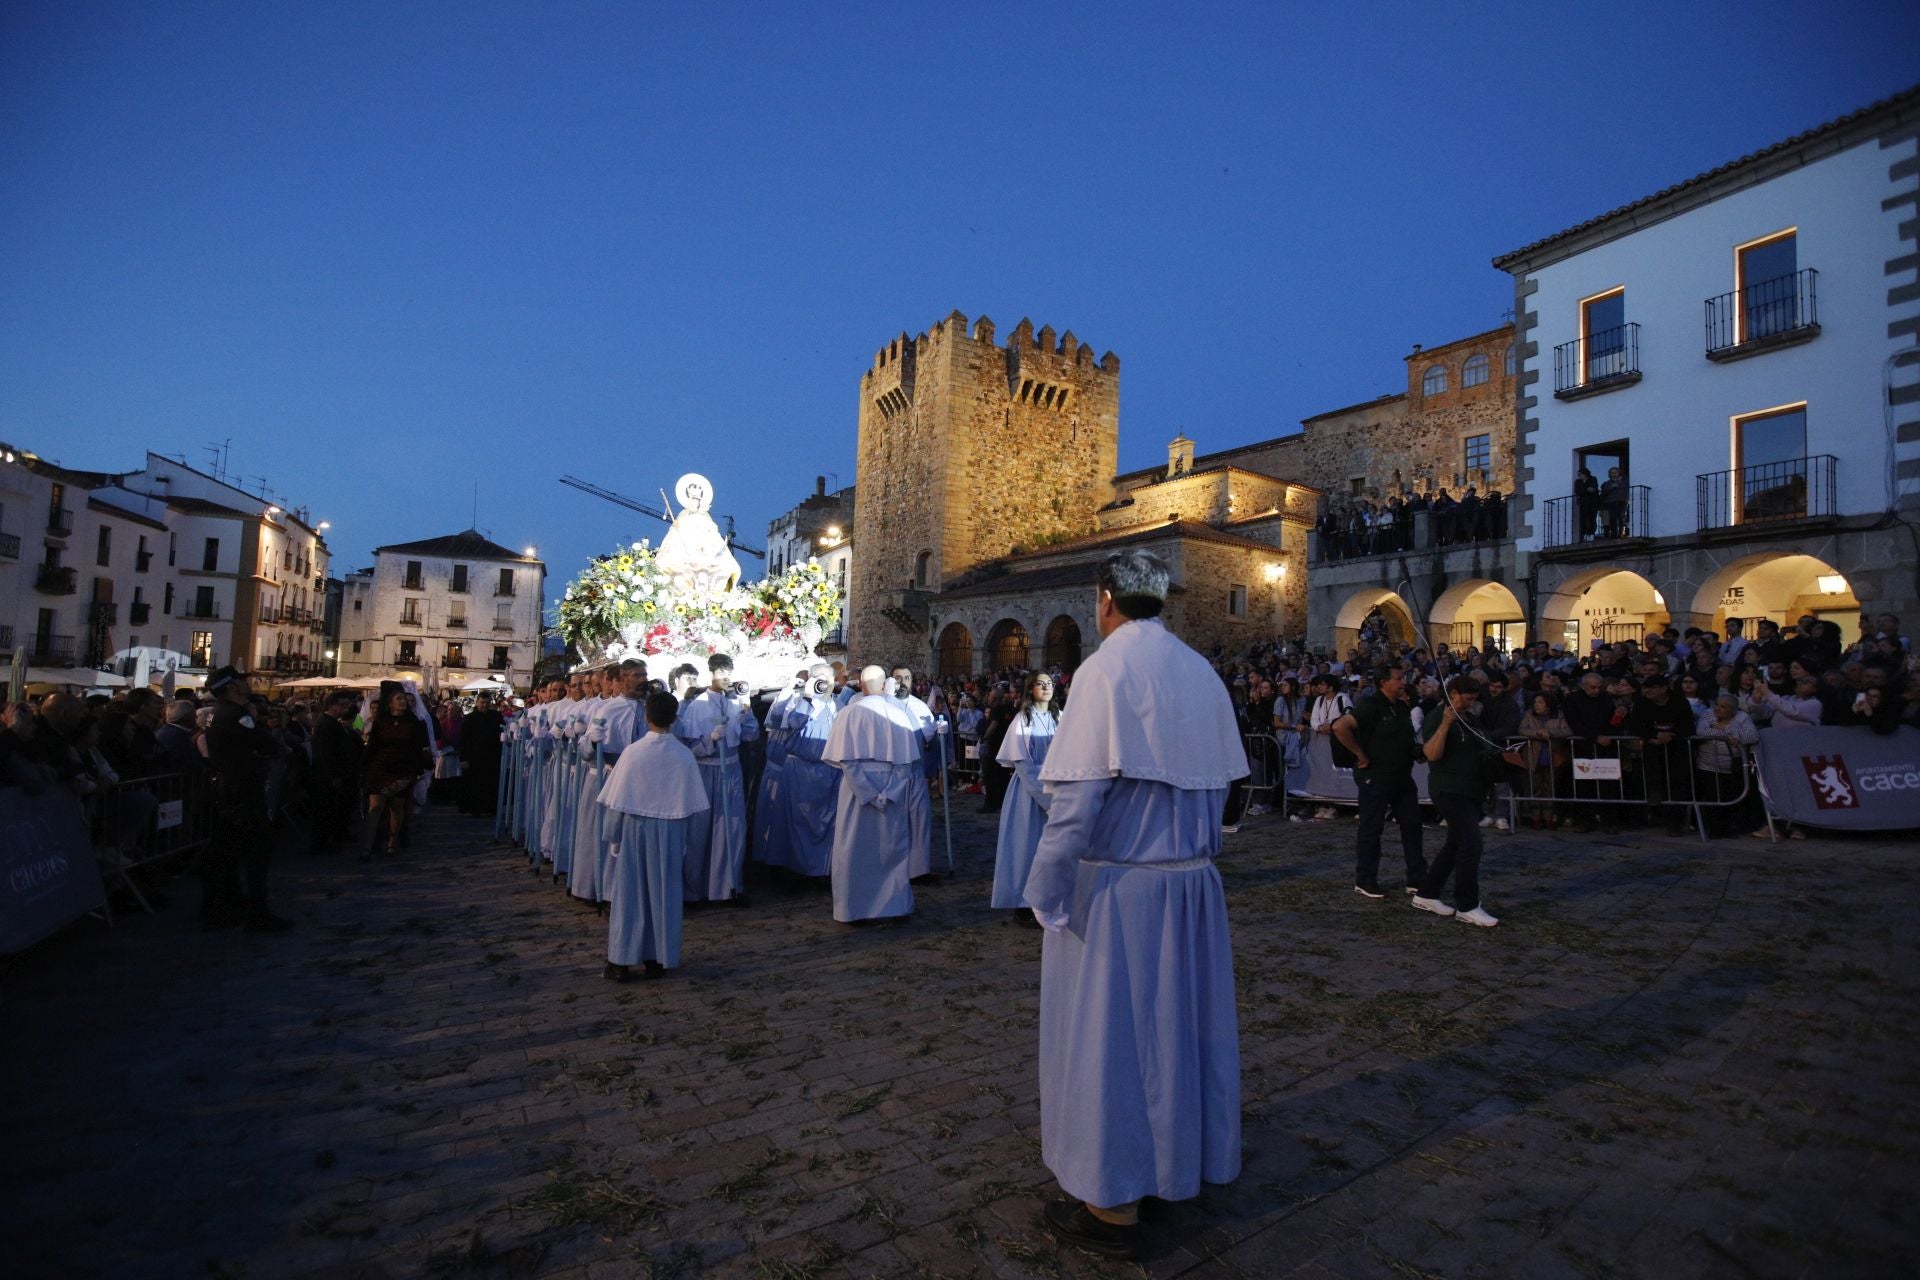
(695, 553)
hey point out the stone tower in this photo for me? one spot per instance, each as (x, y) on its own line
(967, 451)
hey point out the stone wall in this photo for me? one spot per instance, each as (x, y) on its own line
(1209, 497)
(968, 450)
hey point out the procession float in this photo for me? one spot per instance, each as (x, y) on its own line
(683, 601)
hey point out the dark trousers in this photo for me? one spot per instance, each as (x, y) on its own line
(1459, 857)
(233, 870)
(997, 777)
(1377, 800)
(479, 785)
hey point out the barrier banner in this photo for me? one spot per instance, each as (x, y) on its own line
(1323, 780)
(1849, 778)
(46, 858)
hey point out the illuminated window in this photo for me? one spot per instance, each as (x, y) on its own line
(1603, 335)
(1435, 382)
(1473, 372)
(1763, 275)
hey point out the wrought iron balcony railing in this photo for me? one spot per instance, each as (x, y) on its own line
(413, 582)
(1795, 489)
(497, 664)
(103, 613)
(138, 613)
(503, 591)
(142, 561)
(407, 660)
(1598, 362)
(51, 651)
(6, 641)
(502, 626)
(1760, 317)
(60, 522)
(9, 546)
(457, 664)
(461, 623)
(209, 611)
(1566, 523)
(56, 580)
(412, 620)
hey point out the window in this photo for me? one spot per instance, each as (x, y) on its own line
(203, 606)
(456, 654)
(166, 604)
(210, 555)
(1435, 382)
(1473, 372)
(1770, 459)
(456, 613)
(1763, 277)
(1357, 486)
(356, 646)
(499, 660)
(410, 612)
(459, 577)
(506, 583)
(103, 553)
(409, 653)
(1603, 335)
(200, 653)
(1511, 365)
(356, 606)
(1479, 452)
(1237, 600)
(412, 582)
(503, 617)
(922, 564)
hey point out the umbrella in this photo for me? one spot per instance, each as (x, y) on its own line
(75, 678)
(486, 684)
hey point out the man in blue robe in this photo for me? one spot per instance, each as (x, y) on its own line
(1139, 1042)
(877, 751)
(770, 802)
(618, 722)
(920, 805)
(812, 785)
(712, 726)
(653, 794)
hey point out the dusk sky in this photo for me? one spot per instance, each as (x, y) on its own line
(391, 250)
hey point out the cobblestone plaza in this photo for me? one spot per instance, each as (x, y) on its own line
(1670, 1059)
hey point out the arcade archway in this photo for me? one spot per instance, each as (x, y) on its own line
(1478, 613)
(1603, 605)
(1007, 644)
(1783, 588)
(1063, 644)
(1375, 615)
(956, 650)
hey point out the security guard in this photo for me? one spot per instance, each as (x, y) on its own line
(235, 867)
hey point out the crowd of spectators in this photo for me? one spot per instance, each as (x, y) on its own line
(1366, 527)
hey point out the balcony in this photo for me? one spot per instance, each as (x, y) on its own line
(413, 582)
(103, 613)
(1566, 525)
(455, 664)
(504, 626)
(497, 664)
(6, 641)
(138, 613)
(461, 623)
(9, 546)
(50, 651)
(1598, 363)
(503, 590)
(56, 580)
(1770, 493)
(459, 587)
(269, 614)
(142, 561)
(1346, 534)
(60, 522)
(209, 612)
(1763, 317)
(407, 660)
(412, 620)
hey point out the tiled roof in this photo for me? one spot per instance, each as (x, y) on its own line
(1908, 97)
(202, 507)
(1207, 461)
(470, 544)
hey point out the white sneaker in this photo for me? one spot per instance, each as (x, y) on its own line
(1255, 810)
(1477, 916)
(1230, 829)
(1486, 822)
(1500, 824)
(1434, 905)
(1324, 811)
(1413, 889)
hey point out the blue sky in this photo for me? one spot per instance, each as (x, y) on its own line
(391, 250)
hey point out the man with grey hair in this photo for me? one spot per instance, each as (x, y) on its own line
(1139, 1043)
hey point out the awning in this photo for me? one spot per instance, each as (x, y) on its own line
(75, 678)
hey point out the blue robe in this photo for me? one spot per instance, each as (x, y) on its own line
(770, 806)
(870, 844)
(599, 831)
(717, 846)
(644, 884)
(1023, 815)
(813, 789)
(587, 775)
(1139, 1041)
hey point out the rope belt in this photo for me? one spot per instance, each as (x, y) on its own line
(1188, 864)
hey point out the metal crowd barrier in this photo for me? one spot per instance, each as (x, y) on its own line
(1266, 774)
(1630, 773)
(137, 822)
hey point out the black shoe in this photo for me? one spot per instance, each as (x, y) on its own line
(616, 972)
(654, 969)
(267, 922)
(1069, 1220)
(738, 900)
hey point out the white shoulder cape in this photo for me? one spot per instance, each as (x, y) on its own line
(655, 778)
(874, 727)
(1146, 706)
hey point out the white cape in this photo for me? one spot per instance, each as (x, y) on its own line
(655, 778)
(874, 727)
(1146, 706)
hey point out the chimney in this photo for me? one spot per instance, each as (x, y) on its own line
(819, 486)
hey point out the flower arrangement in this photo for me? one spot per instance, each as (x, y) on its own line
(626, 597)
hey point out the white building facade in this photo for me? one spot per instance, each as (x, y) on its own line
(1738, 355)
(460, 605)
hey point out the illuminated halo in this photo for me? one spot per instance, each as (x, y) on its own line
(694, 491)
